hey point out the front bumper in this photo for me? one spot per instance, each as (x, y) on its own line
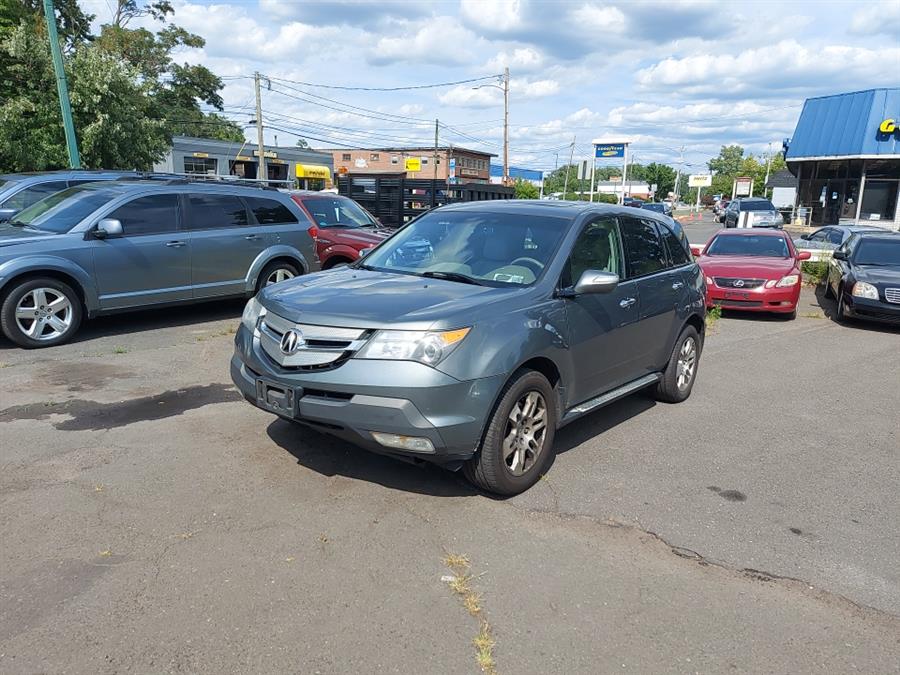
(781, 300)
(872, 310)
(362, 396)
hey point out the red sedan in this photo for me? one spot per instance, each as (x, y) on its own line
(752, 270)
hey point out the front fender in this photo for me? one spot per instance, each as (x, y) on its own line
(342, 250)
(271, 253)
(49, 263)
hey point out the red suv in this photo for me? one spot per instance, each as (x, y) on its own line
(342, 228)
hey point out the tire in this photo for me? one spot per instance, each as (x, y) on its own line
(493, 472)
(839, 314)
(673, 387)
(281, 268)
(334, 262)
(828, 292)
(55, 316)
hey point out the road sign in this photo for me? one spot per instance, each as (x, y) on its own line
(700, 180)
(743, 186)
(609, 150)
(582, 170)
(451, 173)
(413, 164)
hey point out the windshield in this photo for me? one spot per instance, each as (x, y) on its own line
(659, 208)
(751, 245)
(757, 205)
(878, 252)
(337, 211)
(64, 210)
(493, 249)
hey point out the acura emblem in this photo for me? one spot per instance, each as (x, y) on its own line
(291, 341)
(738, 283)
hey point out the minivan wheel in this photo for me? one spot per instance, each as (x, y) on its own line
(275, 273)
(681, 372)
(40, 313)
(518, 444)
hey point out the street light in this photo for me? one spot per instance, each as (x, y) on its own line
(504, 79)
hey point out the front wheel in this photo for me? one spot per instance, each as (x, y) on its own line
(275, 273)
(681, 372)
(518, 444)
(840, 314)
(40, 313)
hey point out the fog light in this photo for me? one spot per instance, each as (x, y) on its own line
(410, 443)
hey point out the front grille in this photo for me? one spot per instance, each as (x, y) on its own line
(320, 346)
(892, 295)
(737, 303)
(729, 282)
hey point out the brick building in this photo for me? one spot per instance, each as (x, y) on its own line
(467, 166)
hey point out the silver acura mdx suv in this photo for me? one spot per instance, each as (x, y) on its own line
(469, 336)
(129, 244)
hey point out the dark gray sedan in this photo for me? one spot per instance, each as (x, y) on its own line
(831, 236)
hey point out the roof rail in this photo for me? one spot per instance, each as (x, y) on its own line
(185, 179)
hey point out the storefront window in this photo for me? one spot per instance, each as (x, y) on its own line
(851, 197)
(200, 165)
(834, 169)
(879, 200)
(882, 169)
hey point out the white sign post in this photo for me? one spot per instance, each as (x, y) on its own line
(612, 148)
(699, 181)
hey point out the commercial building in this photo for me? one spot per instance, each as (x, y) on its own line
(459, 164)
(845, 153)
(291, 166)
(515, 173)
(635, 188)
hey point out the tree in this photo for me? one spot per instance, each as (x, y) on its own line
(526, 189)
(301, 143)
(664, 178)
(729, 160)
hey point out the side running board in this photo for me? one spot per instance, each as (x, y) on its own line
(592, 404)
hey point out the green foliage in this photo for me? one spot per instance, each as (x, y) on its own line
(814, 272)
(526, 190)
(732, 163)
(302, 143)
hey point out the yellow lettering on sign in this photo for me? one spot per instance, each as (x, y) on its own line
(888, 126)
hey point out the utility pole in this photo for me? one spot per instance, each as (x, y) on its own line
(768, 165)
(435, 159)
(678, 176)
(261, 148)
(568, 169)
(62, 88)
(506, 126)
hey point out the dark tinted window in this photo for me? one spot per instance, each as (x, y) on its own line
(677, 253)
(597, 248)
(878, 252)
(210, 212)
(33, 194)
(62, 211)
(269, 212)
(836, 237)
(758, 205)
(154, 214)
(337, 212)
(644, 252)
(749, 245)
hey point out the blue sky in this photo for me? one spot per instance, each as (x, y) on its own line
(663, 74)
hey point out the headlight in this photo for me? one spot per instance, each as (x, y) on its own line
(709, 281)
(789, 280)
(425, 347)
(863, 290)
(252, 311)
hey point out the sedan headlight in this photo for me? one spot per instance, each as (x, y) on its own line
(425, 347)
(252, 312)
(863, 290)
(789, 280)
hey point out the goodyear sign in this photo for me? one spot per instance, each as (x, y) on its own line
(609, 150)
(413, 164)
(887, 128)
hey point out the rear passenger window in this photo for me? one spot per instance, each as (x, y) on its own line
(269, 211)
(154, 214)
(643, 249)
(209, 212)
(677, 255)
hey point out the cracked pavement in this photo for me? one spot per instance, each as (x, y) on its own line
(154, 522)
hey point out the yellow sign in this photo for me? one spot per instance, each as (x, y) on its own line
(888, 126)
(200, 154)
(413, 164)
(700, 180)
(243, 158)
(313, 171)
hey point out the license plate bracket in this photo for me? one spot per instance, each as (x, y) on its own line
(732, 295)
(277, 398)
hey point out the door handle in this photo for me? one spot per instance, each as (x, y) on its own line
(175, 244)
(627, 302)
(252, 237)
(677, 285)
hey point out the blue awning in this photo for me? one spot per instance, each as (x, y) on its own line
(848, 125)
(515, 172)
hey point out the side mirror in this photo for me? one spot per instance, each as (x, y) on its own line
(108, 227)
(363, 252)
(592, 281)
(839, 255)
(804, 255)
(7, 214)
(696, 250)
(804, 237)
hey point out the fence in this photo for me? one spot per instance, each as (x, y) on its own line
(395, 199)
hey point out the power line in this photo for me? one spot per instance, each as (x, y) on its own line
(407, 88)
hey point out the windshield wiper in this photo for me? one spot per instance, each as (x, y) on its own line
(454, 276)
(17, 223)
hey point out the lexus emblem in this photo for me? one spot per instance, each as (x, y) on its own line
(738, 283)
(291, 341)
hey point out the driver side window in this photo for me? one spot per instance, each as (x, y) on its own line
(597, 248)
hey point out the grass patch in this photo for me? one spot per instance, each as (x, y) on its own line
(713, 314)
(460, 583)
(814, 272)
(120, 350)
(813, 315)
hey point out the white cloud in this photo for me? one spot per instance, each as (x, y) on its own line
(525, 89)
(877, 18)
(464, 96)
(436, 40)
(599, 19)
(520, 60)
(496, 15)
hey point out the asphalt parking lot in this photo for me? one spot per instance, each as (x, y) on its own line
(152, 521)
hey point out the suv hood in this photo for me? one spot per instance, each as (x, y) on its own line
(10, 235)
(877, 274)
(745, 266)
(366, 299)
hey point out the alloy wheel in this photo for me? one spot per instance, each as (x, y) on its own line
(44, 314)
(687, 363)
(279, 275)
(526, 432)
